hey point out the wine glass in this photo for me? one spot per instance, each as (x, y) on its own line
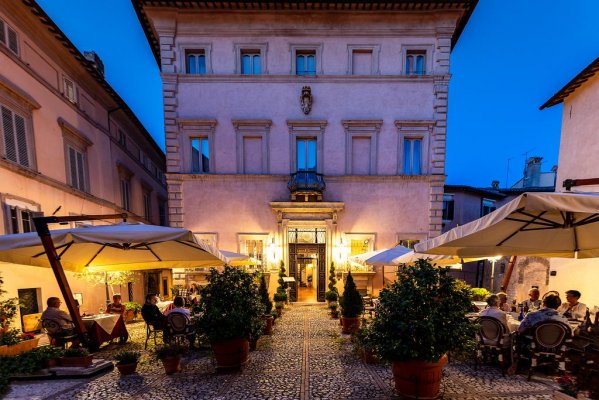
(102, 310)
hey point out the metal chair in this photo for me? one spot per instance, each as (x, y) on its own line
(151, 329)
(180, 328)
(58, 335)
(548, 342)
(493, 340)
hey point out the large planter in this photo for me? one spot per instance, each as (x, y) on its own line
(127, 369)
(83, 361)
(171, 364)
(557, 395)
(231, 354)
(417, 379)
(129, 315)
(19, 348)
(350, 325)
(269, 322)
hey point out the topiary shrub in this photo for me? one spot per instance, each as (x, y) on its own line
(352, 304)
(332, 294)
(264, 297)
(282, 273)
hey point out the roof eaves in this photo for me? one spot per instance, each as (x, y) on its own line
(476, 190)
(574, 84)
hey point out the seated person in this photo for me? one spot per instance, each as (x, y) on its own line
(178, 302)
(533, 303)
(151, 313)
(494, 311)
(503, 305)
(116, 307)
(549, 312)
(54, 313)
(571, 308)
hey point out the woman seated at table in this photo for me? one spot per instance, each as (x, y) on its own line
(503, 305)
(493, 311)
(116, 307)
(571, 308)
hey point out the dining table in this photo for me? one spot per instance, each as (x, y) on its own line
(164, 306)
(103, 328)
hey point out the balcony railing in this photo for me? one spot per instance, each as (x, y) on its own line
(306, 183)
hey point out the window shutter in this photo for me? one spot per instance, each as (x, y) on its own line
(9, 135)
(14, 221)
(21, 141)
(80, 171)
(2, 34)
(12, 41)
(73, 167)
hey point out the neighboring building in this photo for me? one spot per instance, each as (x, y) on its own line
(305, 132)
(69, 145)
(534, 178)
(578, 171)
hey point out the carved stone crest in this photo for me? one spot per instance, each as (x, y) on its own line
(306, 100)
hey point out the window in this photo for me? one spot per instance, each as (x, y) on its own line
(21, 220)
(254, 249)
(305, 62)
(306, 154)
(162, 213)
(77, 166)
(126, 193)
(252, 145)
(361, 146)
(122, 138)
(147, 199)
(8, 37)
(409, 243)
(195, 62)
(412, 155)
(487, 206)
(448, 207)
(251, 62)
(200, 156)
(415, 62)
(14, 137)
(361, 62)
(69, 90)
(359, 246)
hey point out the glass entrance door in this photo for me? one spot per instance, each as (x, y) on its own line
(307, 265)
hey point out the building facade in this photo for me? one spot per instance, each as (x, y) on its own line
(305, 132)
(69, 145)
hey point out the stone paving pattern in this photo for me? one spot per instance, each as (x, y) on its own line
(306, 358)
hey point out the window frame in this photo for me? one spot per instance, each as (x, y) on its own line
(306, 129)
(9, 201)
(16, 111)
(428, 50)
(146, 196)
(448, 198)
(262, 48)
(306, 156)
(79, 142)
(256, 128)
(316, 48)
(412, 139)
(75, 98)
(7, 29)
(369, 128)
(483, 207)
(414, 129)
(201, 139)
(375, 49)
(195, 127)
(125, 179)
(185, 47)
(243, 238)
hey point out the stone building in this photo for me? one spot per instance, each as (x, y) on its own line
(305, 132)
(69, 145)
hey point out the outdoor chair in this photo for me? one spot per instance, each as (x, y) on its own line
(58, 335)
(152, 329)
(547, 344)
(180, 328)
(493, 341)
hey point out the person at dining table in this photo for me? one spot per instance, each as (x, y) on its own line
(572, 308)
(503, 305)
(548, 312)
(533, 303)
(151, 313)
(116, 307)
(178, 304)
(53, 312)
(494, 311)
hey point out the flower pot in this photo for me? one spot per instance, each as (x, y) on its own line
(562, 396)
(334, 314)
(84, 361)
(171, 364)
(129, 315)
(418, 379)
(231, 354)
(350, 325)
(127, 369)
(268, 325)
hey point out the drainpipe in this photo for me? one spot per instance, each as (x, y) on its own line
(508, 273)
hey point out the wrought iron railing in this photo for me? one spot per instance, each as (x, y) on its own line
(306, 181)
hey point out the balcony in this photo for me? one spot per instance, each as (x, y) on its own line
(306, 186)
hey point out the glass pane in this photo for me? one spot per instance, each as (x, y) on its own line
(246, 63)
(409, 61)
(300, 66)
(205, 156)
(191, 64)
(311, 67)
(26, 220)
(80, 171)
(201, 64)
(416, 156)
(14, 220)
(407, 159)
(419, 65)
(257, 66)
(73, 167)
(195, 155)
(311, 162)
(301, 155)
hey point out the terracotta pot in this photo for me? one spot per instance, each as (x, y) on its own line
(129, 315)
(335, 314)
(127, 369)
(268, 326)
(51, 363)
(562, 396)
(418, 379)
(231, 354)
(171, 364)
(369, 357)
(84, 361)
(350, 325)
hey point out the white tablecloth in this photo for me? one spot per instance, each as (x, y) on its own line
(163, 305)
(105, 321)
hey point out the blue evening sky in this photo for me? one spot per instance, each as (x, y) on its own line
(511, 58)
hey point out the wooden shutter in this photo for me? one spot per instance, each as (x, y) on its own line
(21, 140)
(9, 134)
(2, 34)
(13, 44)
(73, 167)
(80, 170)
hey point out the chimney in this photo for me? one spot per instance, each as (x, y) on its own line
(532, 172)
(495, 185)
(92, 57)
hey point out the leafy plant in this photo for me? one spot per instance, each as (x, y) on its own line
(8, 309)
(421, 316)
(76, 352)
(171, 350)
(280, 296)
(132, 305)
(479, 294)
(114, 278)
(127, 357)
(333, 279)
(282, 274)
(48, 352)
(351, 302)
(264, 297)
(363, 339)
(331, 295)
(230, 304)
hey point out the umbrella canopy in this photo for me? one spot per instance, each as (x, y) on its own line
(542, 224)
(119, 247)
(380, 257)
(361, 258)
(237, 260)
(411, 257)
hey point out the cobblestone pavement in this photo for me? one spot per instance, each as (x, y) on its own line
(306, 358)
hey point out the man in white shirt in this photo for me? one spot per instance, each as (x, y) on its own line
(533, 303)
(494, 311)
(571, 308)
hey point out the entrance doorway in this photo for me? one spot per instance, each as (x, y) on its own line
(307, 266)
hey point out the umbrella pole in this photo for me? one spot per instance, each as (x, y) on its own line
(106, 287)
(41, 225)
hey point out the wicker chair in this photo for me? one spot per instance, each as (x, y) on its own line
(493, 341)
(58, 335)
(180, 328)
(548, 342)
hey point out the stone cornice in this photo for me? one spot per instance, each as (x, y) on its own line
(272, 78)
(307, 207)
(284, 178)
(260, 123)
(19, 93)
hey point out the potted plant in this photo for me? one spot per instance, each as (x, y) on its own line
(76, 357)
(282, 284)
(267, 303)
(274, 314)
(231, 309)
(127, 361)
(332, 294)
(132, 310)
(568, 388)
(352, 306)
(364, 345)
(334, 311)
(280, 298)
(420, 318)
(48, 355)
(170, 355)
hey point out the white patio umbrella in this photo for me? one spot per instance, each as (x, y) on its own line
(386, 257)
(542, 224)
(119, 247)
(361, 258)
(238, 260)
